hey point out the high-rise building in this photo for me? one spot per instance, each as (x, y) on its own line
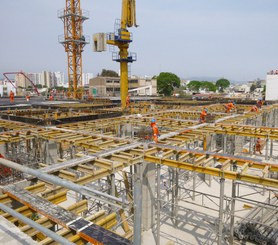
(20, 81)
(35, 78)
(48, 79)
(59, 79)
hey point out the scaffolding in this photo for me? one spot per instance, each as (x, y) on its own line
(121, 183)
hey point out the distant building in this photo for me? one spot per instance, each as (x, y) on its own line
(48, 79)
(184, 82)
(35, 78)
(244, 88)
(6, 87)
(20, 81)
(272, 85)
(86, 78)
(59, 78)
(110, 86)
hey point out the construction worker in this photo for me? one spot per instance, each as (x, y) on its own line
(230, 106)
(27, 98)
(153, 122)
(127, 101)
(11, 96)
(155, 130)
(254, 109)
(203, 115)
(260, 103)
(259, 145)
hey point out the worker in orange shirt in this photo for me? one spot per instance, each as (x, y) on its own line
(230, 106)
(155, 130)
(254, 109)
(127, 101)
(260, 103)
(11, 96)
(258, 145)
(203, 115)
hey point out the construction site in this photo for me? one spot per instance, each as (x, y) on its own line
(134, 170)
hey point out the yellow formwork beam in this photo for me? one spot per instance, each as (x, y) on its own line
(213, 171)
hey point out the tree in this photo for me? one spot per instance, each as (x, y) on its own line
(222, 83)
(253, 87)
(108, 73)
(166, 82)
(194, 85)
(208, 86)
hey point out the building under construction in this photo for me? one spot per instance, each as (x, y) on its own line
(85, 173)
(96, 172)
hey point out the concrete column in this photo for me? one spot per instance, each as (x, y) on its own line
(232, 213)
(271, 149)
(266, 149)
(239, 143)
(46, 151)
(251, 151)
(113, 186)
(6, 148)
(148, 198)
(221, 211)
(60, 150)
(138, 211)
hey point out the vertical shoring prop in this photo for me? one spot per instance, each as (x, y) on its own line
(158, 205)
(137, 203)
(232, 212)
(221, 211)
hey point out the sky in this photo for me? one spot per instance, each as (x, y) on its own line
(235, 39)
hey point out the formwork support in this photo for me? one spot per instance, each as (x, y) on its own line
(232, 212)
(137, 203)
(158, 196)
(221, 211)
(224, 143)
(176, 192)
(194, 185)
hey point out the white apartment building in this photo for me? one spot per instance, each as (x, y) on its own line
(60, 78)
(86, 78)
(6, 87)
(272, 85)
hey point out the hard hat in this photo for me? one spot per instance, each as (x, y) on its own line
(153, 120)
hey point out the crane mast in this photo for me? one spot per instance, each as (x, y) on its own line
(122, 38)
(73, 41)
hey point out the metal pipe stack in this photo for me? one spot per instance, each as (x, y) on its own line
(260, 225)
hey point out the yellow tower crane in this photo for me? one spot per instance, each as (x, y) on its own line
(74, 41)
(122, 38)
